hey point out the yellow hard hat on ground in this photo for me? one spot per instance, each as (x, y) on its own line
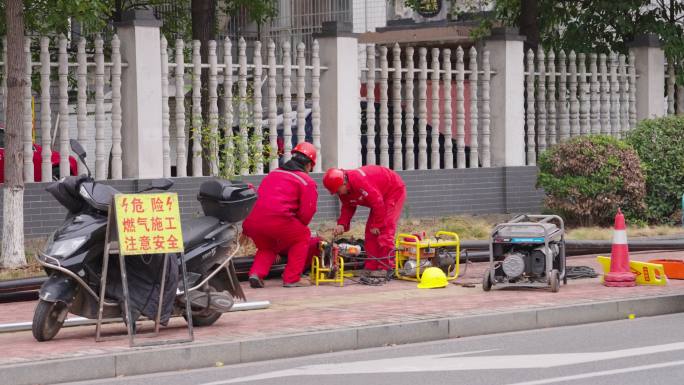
(432, 278)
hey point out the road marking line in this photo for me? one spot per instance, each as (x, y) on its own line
(457, 362)
(601, 374)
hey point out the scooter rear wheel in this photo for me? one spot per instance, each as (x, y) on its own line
(48, 319)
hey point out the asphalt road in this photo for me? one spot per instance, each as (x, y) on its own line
(639, 351)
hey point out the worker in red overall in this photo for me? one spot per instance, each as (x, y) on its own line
(384, 192)
(279, 220)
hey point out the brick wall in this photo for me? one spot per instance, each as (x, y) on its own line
(430, 193)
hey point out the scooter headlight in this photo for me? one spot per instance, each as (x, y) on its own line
(84, 193)
(65, 247)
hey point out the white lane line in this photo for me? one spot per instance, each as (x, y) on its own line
(456, 362)
(601, 374)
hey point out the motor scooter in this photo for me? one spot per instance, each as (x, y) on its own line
(73, 255)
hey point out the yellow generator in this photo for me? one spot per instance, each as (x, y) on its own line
(414, 254)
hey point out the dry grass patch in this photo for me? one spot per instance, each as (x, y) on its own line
(582, 233)
(32, 268)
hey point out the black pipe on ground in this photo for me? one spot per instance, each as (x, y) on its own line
(478, 251)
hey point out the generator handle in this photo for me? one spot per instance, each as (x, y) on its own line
(544, 219)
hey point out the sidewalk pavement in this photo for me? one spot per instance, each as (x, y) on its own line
(328, 318)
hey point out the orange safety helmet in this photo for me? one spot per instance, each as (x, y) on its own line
(307, 149)
(333, 179)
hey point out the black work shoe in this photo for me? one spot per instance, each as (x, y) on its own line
(255, 282)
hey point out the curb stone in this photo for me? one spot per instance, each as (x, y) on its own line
(202, 355)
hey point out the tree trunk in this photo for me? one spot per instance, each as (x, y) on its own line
(529, 23)
(203, 29)
(13, 191)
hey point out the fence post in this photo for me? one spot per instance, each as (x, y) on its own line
(141, 102)
(507, 106)
(650, 83)
(340, 102)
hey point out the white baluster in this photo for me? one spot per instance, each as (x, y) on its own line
(63, 73)
(100, 151)
(434, 134)
(541, 101)
(370, 106)
(82, 111)
(474, 150)
(242, 107)
(196, 109)
(605, 100)
(397, 161)
(229, 149)
(624, 99)
(258, 109)
(181, 149)
(117, 167)
(422, 109)
(574, 102)
(301, 96)
(166, 122)
(213, 109)
(614, 97)
(273, 107)
(486, 76)
(287, 101)
(632, 91)
(27, 133)
(531, 136)
(316, 103)
(460, 110)
(563, 97)
(595, 106)
(670, 89)
(384, 117)
(448, 113)
(45, 112)
(408, 85)
(552, 130)
(585, 125)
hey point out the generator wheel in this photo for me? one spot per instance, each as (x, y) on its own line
(487, 281)
(555, 281)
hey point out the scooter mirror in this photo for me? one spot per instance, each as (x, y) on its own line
(77, 148)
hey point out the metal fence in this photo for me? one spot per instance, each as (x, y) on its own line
(567, 96)
(233, 136)
(451, 126)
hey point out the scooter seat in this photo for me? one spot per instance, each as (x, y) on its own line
(194, 230)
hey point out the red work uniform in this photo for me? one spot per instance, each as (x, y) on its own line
(383, 191)
(278, 222)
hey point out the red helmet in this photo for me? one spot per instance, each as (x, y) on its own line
(333, 179)
(307, 149)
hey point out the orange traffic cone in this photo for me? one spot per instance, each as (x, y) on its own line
(620, 274)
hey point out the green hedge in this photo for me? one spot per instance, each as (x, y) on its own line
(587, 178)
(660, 145)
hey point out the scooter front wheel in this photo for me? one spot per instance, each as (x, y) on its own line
(200, 320)
(48, 318)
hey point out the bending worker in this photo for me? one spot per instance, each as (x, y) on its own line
(279, 220)
(383, 191)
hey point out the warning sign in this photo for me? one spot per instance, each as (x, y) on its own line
(148, 223)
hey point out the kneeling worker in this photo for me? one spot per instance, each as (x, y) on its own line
(279, 220)
(384, 192)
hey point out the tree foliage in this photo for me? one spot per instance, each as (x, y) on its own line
(592, 26)
(660, 145)
(258, 11)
